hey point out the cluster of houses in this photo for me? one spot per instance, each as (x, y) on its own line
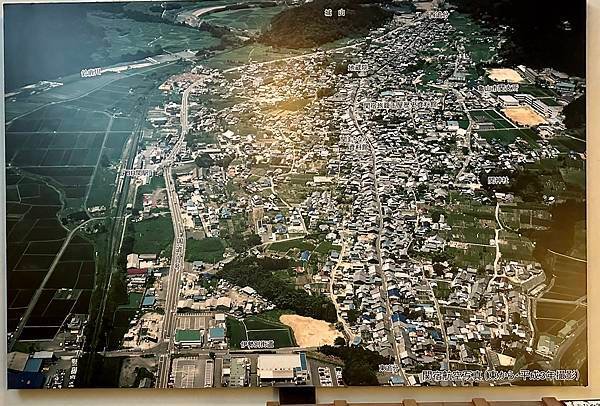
(366, 164)
(396, 161)
(196, 294)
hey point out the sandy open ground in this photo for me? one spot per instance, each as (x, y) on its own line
(505, 75)
(523, 115)
(310, 332)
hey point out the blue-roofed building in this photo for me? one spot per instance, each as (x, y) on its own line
(396, 380)
(216, 334)
(305, 256)
(303, 362)
(399, 317)
(148, 301)
(25, 380)
(356, 340)
(33, 365)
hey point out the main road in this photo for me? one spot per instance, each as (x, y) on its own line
(179, 246)
(372, 148)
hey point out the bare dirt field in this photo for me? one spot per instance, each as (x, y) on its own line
(505, 75)
(523, 115)
(310, 332)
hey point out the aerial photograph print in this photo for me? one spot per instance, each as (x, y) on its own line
(295, 193)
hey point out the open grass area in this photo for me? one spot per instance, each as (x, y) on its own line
(491, 116)
(153, 236)
(206, 250)
(574, 177)
(508, 136)
(537, 91)
(235, 332)
(134, 301)
(442, 290)
(326, 247)
(102, 188)
(284, 246)
(293, 104)
(475, 256)
(156, 182)
(567, 144)
(259, 328)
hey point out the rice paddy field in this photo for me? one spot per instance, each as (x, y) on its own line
(77, 132)
(63, 146)
(37, 243)
(126, 37)
(551, 317)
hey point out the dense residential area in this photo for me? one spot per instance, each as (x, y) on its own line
(399, 201)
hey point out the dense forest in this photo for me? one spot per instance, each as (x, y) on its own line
(360, 364)
(258, 273)
(307, 26)
(549, 34)
(575, 114)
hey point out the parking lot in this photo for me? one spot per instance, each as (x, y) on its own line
(187, 372)
(193, 321)
(326, 375)
(197, 372)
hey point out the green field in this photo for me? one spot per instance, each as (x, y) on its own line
(537, 91)
(102, 187)
(508, 136)
(206, 250)
(475, 256)
(145, 36)
(566, 144)
(326, 246)
(442, 290)
(135, 299)
(248, 19)
(153, 236)
(242, 55)
(478, 43)
(259, 328)
(285, 246)
(156, 182)
(491, 116)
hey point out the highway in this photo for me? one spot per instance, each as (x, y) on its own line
(179, 246)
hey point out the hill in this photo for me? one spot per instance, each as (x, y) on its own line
(548, 35)
(307, 26)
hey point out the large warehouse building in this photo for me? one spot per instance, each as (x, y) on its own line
(282, 368)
